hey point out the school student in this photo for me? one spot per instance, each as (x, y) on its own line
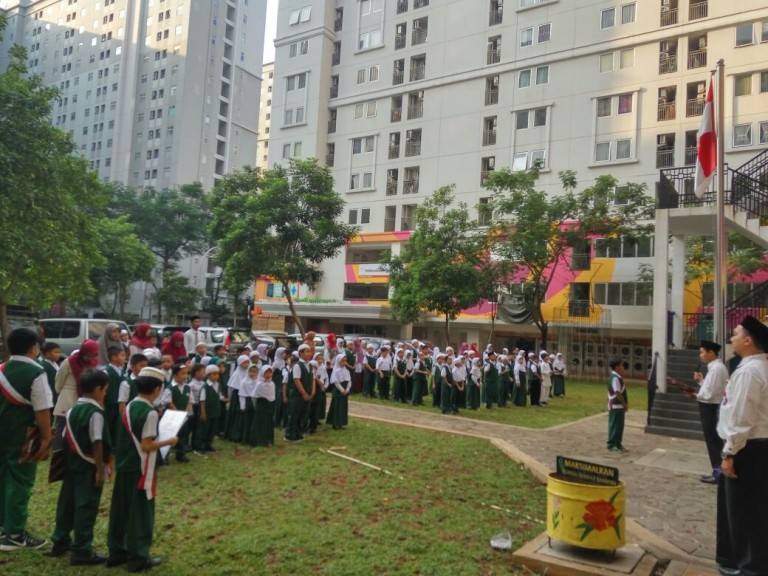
(299, 393)
(26, 401)
(132, 512)
(369, 372)
(210, 408)
(51, 352)
(128, 389)
(520, 396)
(234, 429)
(460, 380)
(114, 371)
(399, 369)
(384, 372)
(197, 375)
(420, 373)
(474, 382)
(279, 378)
(317, 405)
(180, 400)
(87, 452)
(247, 397)
(262, 429)
(491, 377)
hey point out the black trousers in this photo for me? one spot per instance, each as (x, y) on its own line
(742, 532)
(708, 414)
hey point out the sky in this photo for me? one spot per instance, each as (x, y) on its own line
(269, 35)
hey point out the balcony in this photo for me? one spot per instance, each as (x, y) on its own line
(666, 111)
(334, 91)
(329, 158)
(337, 25)
(697, 58)
(494, 56)
(668, 17)
(489, 137)
(691, 154)
(416, 110)
(694, 107)
(418, 72)
(396, 115)
(491, 97)
(495, 17)
(407, 222)
(392, 188)
(413, 148)
(394, 151)
(419, 36)
(399, 41)
(665, 158)
(398, 77)
(667, 63)
(336, 59)
(411, 186)
(484, 175)
(331, 126)
(402, 6)
(698, 10)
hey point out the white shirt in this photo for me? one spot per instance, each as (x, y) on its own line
(744, 411)
(713, 385)
(384, 363)
(191, 340)
(459, 373)
(41, 395)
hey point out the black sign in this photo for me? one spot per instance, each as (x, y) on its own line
(587, 472)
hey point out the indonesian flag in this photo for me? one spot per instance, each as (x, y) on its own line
(706, 157)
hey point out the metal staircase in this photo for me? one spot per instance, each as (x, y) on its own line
(673, 413)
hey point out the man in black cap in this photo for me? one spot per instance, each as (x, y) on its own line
(711, 390)
(742, 506)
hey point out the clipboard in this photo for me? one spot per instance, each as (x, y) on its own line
(169, 426)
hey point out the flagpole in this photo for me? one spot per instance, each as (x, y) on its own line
(721, 239)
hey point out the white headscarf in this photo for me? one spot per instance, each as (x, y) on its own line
(240, 373)
(340, 374)
(262, 350)
(279, 362)
(265, 388)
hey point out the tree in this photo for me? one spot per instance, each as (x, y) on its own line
(443, 268)
(281, 223)
(534, 233)
(176, 295)
(126, 260)
(49, 200)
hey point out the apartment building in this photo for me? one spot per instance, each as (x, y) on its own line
(155, 93)
(400, 97)
(265, 115)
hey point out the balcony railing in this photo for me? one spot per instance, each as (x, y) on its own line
(494, 55)
(419, 36)
(413, 148)
(495, 17)
(394, 151)
(396, 115)
(491, 97)
(698, 10)
(336, 59)
(665, 158)
(666, 111)
(337, 25)
(389, 224)
(399, 41)
(484, 175)
(406, 223)
(489, 137)
(402, 6)
(329, 159)
(331, 126)
(697, 58)
(398, 77)
(667, 63)
(392, 188)
(694, 107)
(418, 72)
(411, 186)
(334, 91)
(690, 155)
(416, 110)
(668, 17)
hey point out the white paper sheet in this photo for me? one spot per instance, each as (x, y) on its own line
(170, 424)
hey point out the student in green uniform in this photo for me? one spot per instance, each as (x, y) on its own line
(503, 381)
(448, 388)
(520, 396)
(262, 429)
(317, 405)
(210, 408)
(234, 431)
(181, 400)
(51, 353)
(128, 388)
(247, 398)
(279, 380)
(399, 369)
(341, 381)
(132, 512)
(420, 373)
(369, 372)
(115, 372)
(300, 392)
(25, 402)
(474, 381)
(491, 377)
(87, 453)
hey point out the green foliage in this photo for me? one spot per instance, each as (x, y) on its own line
(534, 232)
(443, 267)
(176, 296)
(744, 258)
(126, 260)
(281, 223)
(49, 200)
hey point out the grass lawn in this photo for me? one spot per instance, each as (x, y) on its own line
(582, 399)
(295, 509)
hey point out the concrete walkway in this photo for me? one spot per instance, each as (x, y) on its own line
(667, 507)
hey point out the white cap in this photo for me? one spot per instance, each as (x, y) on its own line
(304, 347)
(211, 368)
(150, 372)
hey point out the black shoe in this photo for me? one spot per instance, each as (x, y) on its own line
(708, 480)
(60, 548)
(9, 543)
(152, 562)
(113, 561)
(182, 458)
(725, 571)
(81, 559)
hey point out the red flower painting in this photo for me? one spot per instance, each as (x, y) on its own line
(600, 515)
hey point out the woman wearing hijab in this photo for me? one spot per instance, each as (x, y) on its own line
(142, 339)
(262, 431)
(109, 338)
(341, 380)
(234, 430)
(175, 347)
(278, 378)
(558, 376)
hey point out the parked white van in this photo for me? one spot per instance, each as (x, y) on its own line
(69, 333)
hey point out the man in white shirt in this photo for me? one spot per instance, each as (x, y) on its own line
(193, 336)
(742, 506)
(711, 390)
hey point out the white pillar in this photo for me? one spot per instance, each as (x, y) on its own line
(678, 288)
(660, 271)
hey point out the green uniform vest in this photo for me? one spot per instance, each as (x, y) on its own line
(50, 372)
(371, 361)
(492, 376)
(115, 378)
(180, 396)
(351, 359)
(126, 457)
(402, 366)
(306, 381)
(79, 422)
(212, 401)
(15, 418)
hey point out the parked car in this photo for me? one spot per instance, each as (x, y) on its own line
(214, 335)
(69, 333)
(321, 341)
(275, 340)
(165, 331)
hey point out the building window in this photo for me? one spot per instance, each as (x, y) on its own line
(524, 78)
(545, 33)
(602, 151)
(763, 82)
(623, 149)
(628, 13)
(361, 145)
(763, 132)
(519, 161)
(526, 37)
(743, 84)
(352, 217)
(627, 58)
(606, 62)
(365, 215)
(625, 103)
(539, 117)
(742, 135)
(607, 18)
(604, 107)
(745, 34)
(542, 75)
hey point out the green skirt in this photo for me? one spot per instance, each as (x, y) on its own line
(262, 430)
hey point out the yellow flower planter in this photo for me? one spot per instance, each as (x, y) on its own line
(586, 515)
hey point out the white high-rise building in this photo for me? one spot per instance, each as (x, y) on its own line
(154, 92)
(265, 115)
(401, 97)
